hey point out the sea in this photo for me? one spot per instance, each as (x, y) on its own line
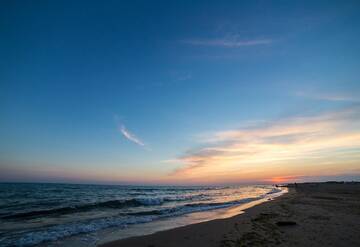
(88, 215)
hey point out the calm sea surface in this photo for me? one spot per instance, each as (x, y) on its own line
(33, 214)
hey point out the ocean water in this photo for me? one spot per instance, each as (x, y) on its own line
(46, 214)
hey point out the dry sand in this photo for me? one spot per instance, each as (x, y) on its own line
(309, 215)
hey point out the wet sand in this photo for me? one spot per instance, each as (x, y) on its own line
(320, 214)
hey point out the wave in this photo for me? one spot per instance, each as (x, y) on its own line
(112, 204)
(60, 231)
(116, 204)
(194, 207)
(273, 191)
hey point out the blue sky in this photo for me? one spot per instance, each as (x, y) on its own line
(123, 92)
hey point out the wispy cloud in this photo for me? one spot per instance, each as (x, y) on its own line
(130, 136)
(290, 147)
(229, 42)
(173, 78)
(346, 97)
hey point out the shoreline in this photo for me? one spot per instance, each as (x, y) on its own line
(196, 217)
(241, 210)
(308, 215)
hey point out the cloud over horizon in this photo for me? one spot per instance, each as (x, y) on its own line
(326, 144)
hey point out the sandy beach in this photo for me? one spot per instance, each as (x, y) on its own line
(312, 214)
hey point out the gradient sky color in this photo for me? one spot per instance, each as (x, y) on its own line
(179, 92)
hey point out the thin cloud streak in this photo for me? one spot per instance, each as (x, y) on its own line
(329, 96)
(130, 136)
(232, 42)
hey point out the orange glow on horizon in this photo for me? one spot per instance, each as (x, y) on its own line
(282, 180)
(321, 145)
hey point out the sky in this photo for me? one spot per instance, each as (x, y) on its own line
(179, 92)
